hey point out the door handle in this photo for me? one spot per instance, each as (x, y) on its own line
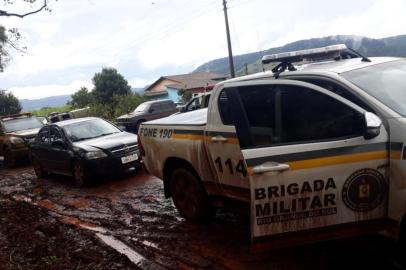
(270, 167)
(219, 139)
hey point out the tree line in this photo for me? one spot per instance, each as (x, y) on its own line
(110, 97)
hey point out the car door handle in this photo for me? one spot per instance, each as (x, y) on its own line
(270, 167)
(219, 139)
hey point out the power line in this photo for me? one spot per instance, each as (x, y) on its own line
(172, 29)
(208, 8)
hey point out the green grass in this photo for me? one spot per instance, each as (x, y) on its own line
(47, 110)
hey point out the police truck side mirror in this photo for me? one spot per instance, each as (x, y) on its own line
(372, 125)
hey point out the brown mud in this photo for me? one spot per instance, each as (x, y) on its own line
(127, 223)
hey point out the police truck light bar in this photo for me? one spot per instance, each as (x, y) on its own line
(329, 52)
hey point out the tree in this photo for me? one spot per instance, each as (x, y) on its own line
(82, 98)
(9, 104)
(109, 83)
(185, 95)
(3, 52)
(11, 38)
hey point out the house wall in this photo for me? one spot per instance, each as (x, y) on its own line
(161, 86)
(172, 94)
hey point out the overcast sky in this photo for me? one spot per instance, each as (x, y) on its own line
(145, 39)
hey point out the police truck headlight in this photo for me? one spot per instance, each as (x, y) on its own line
(95, 155)
(17, 142)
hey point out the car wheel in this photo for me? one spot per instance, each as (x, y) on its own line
(9, 159)
(39, 171)
(79, 174)
(190, 197)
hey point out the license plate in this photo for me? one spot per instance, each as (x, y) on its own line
(129, 158)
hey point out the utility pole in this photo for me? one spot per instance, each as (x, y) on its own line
(230, 50)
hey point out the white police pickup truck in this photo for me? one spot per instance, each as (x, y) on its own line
(317, 150)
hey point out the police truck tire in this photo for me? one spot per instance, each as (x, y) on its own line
(9, 159)
(190, 197)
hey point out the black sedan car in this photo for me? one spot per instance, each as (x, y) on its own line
(84, 148)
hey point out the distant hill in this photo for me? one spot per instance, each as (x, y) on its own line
(55, 101)
(139, 91)
(391, 46)
(35, 104)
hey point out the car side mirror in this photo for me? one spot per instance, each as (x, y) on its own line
(59, 144)
(151, 110)
(372, 125)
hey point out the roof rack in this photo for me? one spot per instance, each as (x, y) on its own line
(333, 52)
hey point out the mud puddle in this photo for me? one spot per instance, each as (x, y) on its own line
(132, 217)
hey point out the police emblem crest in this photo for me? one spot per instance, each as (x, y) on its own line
(364, 190)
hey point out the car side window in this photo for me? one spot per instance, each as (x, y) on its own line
(193, 105)
(308, 115)
(287, 114)
(341, 91)
(156, 107)
(225, 109)
(55, 135)
(43, 136)
(167, 106)
(260, 107)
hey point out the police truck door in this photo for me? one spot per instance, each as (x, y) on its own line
(312, 160)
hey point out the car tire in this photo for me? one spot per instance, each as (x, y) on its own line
(39, 171)
(79, 174)
(190, 197)
(9, 159)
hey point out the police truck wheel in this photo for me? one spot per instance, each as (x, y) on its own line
(39, 171)
(189, 197)
(9, 159)
(79, 175)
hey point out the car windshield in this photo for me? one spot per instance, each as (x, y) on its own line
(141, 108)
(20, 124)
(386, 82)
(89, 129)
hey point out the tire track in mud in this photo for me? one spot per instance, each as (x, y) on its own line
(124, 221)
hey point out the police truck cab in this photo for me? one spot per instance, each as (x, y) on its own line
(315, 145)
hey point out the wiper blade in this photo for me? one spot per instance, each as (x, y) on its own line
(98, 136)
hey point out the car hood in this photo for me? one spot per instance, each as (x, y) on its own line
(130, 115)
(25, 133)
(108, 143)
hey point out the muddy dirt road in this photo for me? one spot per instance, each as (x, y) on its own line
(132, 217)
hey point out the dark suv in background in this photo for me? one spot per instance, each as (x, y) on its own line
(146, 111)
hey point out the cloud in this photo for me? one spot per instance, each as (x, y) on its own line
(145, 41)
